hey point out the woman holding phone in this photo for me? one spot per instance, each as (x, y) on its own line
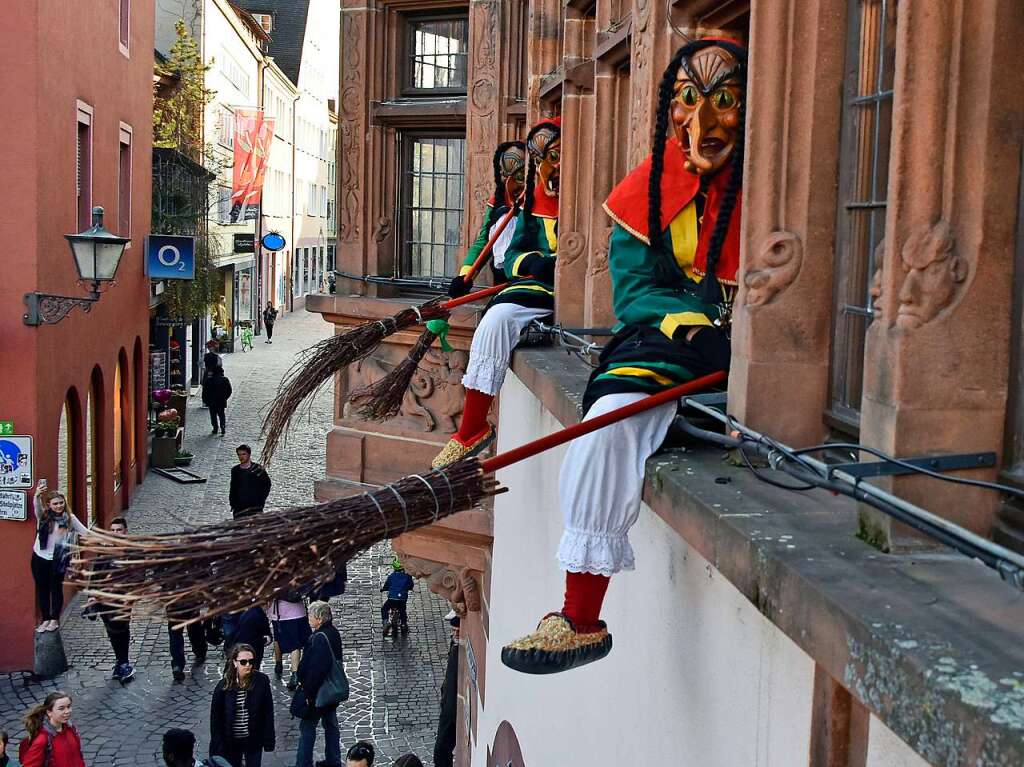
(55, 527)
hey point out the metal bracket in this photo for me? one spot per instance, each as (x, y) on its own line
(46, 309)
(716, 399)
(940, 463)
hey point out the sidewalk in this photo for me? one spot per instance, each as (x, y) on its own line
(395, 685)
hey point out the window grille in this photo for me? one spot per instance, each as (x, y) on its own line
(863, 187)
(437, 54)
(433, 189)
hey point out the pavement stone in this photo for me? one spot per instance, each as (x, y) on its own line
(395, 683)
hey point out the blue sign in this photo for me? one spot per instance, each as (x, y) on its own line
(170, 257)
(273, 241)
(16, 462)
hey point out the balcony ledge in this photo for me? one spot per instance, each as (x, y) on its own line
(930, 643)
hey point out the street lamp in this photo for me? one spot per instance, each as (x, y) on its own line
(97, 254)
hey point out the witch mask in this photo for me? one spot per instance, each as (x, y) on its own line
(512, 166)
(706, 105)
(545, 145)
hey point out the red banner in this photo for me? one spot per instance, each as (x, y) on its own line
(253, 138)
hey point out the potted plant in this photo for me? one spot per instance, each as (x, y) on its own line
(183, 458)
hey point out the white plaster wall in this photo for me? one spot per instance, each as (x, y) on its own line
(885, 749)
(696, 677)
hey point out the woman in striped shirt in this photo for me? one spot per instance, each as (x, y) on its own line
(242, 712)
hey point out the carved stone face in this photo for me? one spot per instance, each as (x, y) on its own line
(935, 273)
(512, 167)
(546, 147)
(705, 108)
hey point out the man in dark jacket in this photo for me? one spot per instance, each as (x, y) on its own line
(317, 660)
(253, 629)
(250, 485)
(216, 393)
(444, 744)
(211, 360)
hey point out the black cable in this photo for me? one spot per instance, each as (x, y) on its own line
(997, 486)
(764, 478)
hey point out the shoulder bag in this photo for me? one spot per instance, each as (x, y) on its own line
(334, 689)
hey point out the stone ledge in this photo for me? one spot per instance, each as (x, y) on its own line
(931, 643)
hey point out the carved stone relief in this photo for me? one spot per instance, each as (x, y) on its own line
(935, 276)
(773, 268)
(570, 247)
(460, 586)
(352, 103)
(599, 261)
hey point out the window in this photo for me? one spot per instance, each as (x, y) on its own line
(311, 200)
(234, 72)
(124, 26)
(226, 128)
(863, 185)
(437, 50)
(83, 167)
(330, 258)
(1014, 452)
(224, 204)
(323, 202)
(124, 182)
(265, 20)
(433, 186)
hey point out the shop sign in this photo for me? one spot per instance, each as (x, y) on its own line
(170, 257)
(6, 428)
(16, 462)
(170, 322)
(13, 505)
(273, 241)
(245, 243)
(157, 370)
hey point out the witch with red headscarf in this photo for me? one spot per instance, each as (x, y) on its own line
(673, 258)
(529, 265)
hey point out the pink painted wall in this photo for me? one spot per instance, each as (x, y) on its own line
(58, 53)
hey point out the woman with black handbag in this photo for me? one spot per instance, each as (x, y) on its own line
(322, 687)
(242, 711)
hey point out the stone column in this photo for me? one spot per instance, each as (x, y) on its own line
(936, 366)
(781, 326)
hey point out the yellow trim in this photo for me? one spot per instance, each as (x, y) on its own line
(673, 322)
(683, 231)
(465, 270)
(518, 261)
(538, 288)
(640, 373)
(551, 230)
(611, 214)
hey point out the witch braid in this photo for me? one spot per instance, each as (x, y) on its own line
(712, 290)
(531, 177)
(668, 80)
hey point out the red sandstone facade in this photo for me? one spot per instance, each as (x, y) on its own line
(73, 71)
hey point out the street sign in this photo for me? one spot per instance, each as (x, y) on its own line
(273, 241)
(13, 505)
(170, 257)
(245, 243)
(6, 428)
(16, 462)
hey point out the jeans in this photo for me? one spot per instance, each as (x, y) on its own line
(403, 616)
(307, 738)
(196, 638)
(217, 414)
(120, 636)
(49, 588)
(235, 751)
(270, 329)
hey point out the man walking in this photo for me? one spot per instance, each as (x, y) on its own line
(176, 640)
(250, 485)
(217, 392)
(117, 627)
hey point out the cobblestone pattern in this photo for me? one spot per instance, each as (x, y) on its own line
(395, 682)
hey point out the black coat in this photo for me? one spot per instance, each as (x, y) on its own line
(259, 700)
(317, 659)
(253, 629)
(216, 391)
(249, 488)
(444, 744)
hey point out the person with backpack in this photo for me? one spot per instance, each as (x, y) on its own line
(52, 739)
(179, 748)
(398, 585)
(242, 711)
(216, 394)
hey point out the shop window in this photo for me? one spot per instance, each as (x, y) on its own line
(863, 185)
(432, 192)
(437, 51)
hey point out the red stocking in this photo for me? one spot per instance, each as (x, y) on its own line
(584, 595)
(474, 416)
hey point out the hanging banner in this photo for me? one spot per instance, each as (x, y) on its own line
(253, 138)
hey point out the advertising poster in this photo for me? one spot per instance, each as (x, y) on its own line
(254, 136)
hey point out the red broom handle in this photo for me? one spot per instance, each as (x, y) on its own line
(585, 427)
(485, 254)
(469, 298)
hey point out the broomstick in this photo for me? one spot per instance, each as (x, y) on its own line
(315, 365)
(230, 566)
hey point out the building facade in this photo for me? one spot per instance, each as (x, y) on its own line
(78, 387)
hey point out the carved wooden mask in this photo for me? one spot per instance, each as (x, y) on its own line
(546, 147)
(512, 166)
(706, 116)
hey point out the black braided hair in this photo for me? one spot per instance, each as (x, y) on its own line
(531, 173)
(711, 290)
(499, 188)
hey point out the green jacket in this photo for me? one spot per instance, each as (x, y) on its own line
(532, 254)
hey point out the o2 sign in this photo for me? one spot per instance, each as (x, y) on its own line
(170, 257)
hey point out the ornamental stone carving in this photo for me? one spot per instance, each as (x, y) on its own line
(935, 276)
(570, 247)
(460, 586)
(773, 268)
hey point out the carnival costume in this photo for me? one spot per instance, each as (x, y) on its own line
(672, 295)
(529, 266)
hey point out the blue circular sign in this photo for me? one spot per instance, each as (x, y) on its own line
(273, 241)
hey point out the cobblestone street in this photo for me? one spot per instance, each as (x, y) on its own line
(395, 682)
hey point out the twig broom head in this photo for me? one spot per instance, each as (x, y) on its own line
(316, 365)
(228, 567)
(382, 399)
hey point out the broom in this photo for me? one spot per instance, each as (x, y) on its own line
(315, 365)
(228, 567)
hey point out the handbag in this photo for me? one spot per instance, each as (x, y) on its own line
(299, 707)
(62, 553)
(334, 689)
